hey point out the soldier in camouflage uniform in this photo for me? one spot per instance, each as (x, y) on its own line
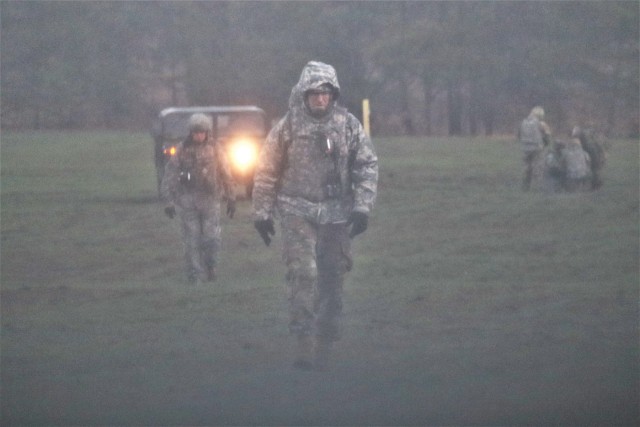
(576, 164)
(596, 152)
(319, 171)
(567, 166)
(534, 134)
(555, 173)
(196, 179)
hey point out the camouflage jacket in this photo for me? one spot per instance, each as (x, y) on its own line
(318, 168)
(197, 174)
(575, 160)
(534, 134)
(594, 148)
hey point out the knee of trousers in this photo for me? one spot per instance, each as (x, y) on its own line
(302, 277)
(210, 245)
(302, 273)
(301, 285)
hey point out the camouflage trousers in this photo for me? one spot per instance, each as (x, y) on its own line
(533, 168)
(201, 233)
(317, 258)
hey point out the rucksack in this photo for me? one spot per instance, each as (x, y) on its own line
(530, 132)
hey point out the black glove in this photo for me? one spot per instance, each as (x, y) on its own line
(360, 223)
(265, 228)
(170, 211)
(231, 208)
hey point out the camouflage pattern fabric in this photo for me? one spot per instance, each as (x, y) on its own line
(567, 166)
(533, 168)
(293, 170)
(576, 163)
(317, 257)
(554, 174)
(314, 189)
(597, 154)
(197, 200)
(533, 134)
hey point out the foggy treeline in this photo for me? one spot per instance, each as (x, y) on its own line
(428, 68)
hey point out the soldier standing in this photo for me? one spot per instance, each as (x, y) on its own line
(576, 164)
(196, 179)
(320, 171)
(596, 153)
(534, 134)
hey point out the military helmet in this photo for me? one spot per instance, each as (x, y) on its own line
(576, 132)
(200, 123)
(537, 112)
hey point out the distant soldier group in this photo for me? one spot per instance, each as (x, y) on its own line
(560, 166)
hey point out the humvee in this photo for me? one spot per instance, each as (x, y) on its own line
(241, 130)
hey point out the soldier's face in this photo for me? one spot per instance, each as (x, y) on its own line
(198, 136)
(318, 101)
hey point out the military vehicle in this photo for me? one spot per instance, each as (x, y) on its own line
(241, 130)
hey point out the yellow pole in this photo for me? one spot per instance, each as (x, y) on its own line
(365, 117)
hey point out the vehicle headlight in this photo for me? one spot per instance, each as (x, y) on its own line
(169, 151)
(243, 154)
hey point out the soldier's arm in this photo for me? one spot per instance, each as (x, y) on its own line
(269, 171)
(363, 167)
(546, 133)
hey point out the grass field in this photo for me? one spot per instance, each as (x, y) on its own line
(470, 302)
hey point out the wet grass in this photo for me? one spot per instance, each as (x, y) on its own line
(470, 301)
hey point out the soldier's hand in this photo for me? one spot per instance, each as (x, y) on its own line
(170, 211)
(359, 222)
(231, 208)
(265, 228)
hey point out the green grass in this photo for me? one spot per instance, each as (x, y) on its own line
(464, 287)
(451, 216)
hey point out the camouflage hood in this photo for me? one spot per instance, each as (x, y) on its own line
(314, 75)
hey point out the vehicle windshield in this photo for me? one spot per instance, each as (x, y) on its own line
(176, 126)
(249, 124)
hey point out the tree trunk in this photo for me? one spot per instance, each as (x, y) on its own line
(455, 110)
(427, 109)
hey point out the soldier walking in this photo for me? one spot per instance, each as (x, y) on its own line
(534, 134)
(196, 180)
(318, 170)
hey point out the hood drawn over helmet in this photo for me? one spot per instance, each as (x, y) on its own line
(200, 122)
(314, 75)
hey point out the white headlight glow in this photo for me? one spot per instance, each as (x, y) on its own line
(243, 154)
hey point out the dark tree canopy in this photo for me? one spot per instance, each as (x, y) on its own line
(453, 68)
